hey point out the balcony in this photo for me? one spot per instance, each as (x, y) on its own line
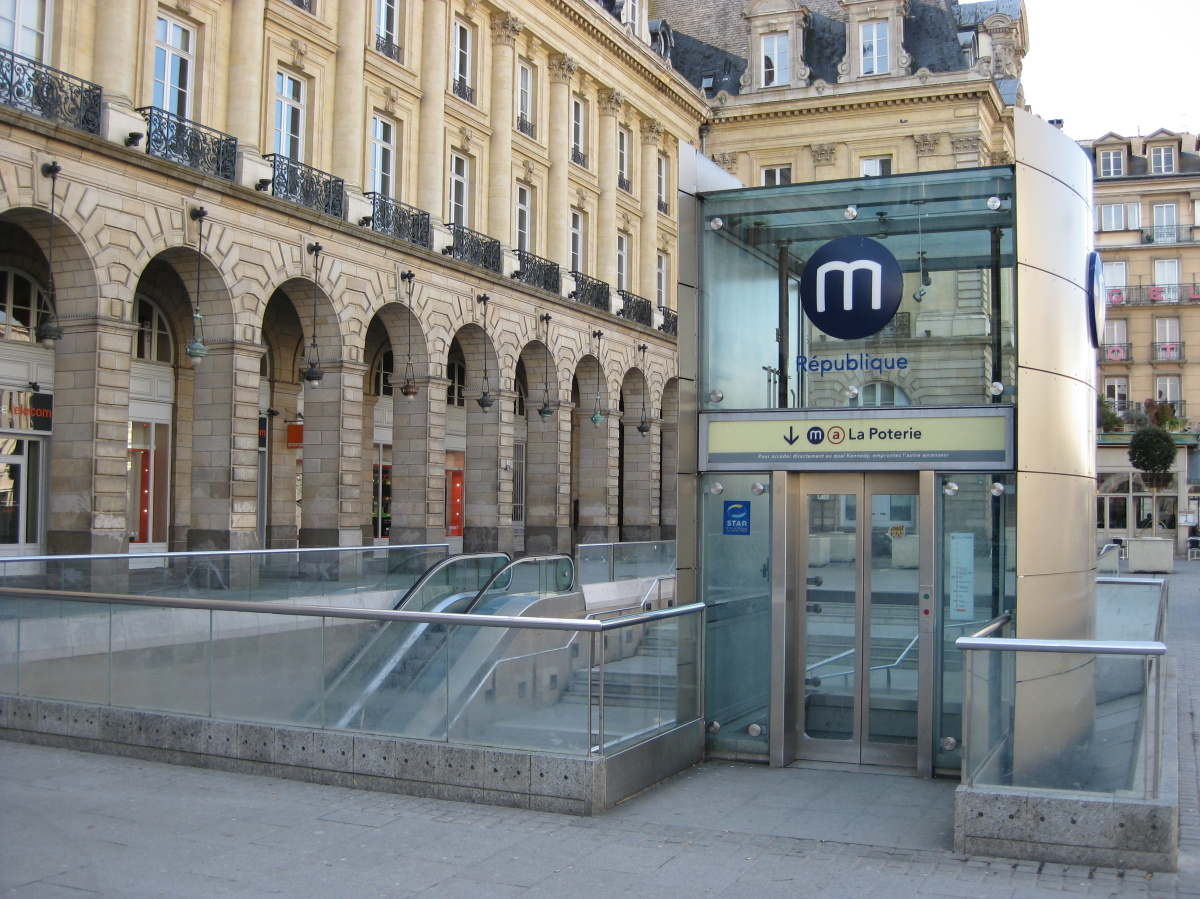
(663, 207)
(305, 186)
(462, 90)
(399, 220)
(190, 144)
(591, 292)
(1150, 294)
(579, 157)
(1116, 352)
(1167, 234)
(29, 86)
(1167, 352)
(389, 48)
(670, 322)
(636, 309)
(1125, 407)
(525, 126)
(624, 184)
(899, 328)
(537, 272)
(473, 247)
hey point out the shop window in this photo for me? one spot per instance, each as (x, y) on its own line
(381, 491)
(148, 482)
(154, 342)
(518, 504)
(20, 483)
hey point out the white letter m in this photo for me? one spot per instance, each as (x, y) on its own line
(848, 269)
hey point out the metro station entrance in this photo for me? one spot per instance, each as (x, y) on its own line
(861, 692)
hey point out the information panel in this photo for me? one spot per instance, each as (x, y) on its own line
(963, 438)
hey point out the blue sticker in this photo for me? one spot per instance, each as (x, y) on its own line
(737, 517)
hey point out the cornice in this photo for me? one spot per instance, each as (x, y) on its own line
(825, 105)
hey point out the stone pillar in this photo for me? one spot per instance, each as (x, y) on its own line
(640, 479)
(225, 449)
(547, 466)
(487, 512)
(597, 475)
(245, 90)
(348, 123)
(558, 203)
(505, 29)
(652, 130)
(611, 102)
(282, 512)
(419, 464)
(332, 510)
(431, 163)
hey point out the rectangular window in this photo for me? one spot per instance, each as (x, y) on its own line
(1167, 388)
(1116, 391)
(1112, 163)
(460, 190)
(875, 166)
(579, 132)
(524, 214)
(387, 29)
(777, 176)
(1116, 331)
(1166, 340)
(622, 260)
(173, 61)
(875, 48)
(1133, 216)
(663, 185)
(1166, 281)
(623, 139)
(525, 99)
(661, 269)
(1162, 160)
(1112, 217)
(1114, 274)
(289, 116)
(1165, 223)
(383, 156)
(577, 240)
(775, 66)
(23, 27)
(460, 61)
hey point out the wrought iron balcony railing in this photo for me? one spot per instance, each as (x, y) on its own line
(899, 328)
(1150, 294)
(624, 184)
(670, 322)
(463, 91)
(591, 292)
(1125, 407)
(1171, 351)
(473, 247)
(1167, 234)
(663, 207)
(538, 272)
(1116, 352)
(29, 86)
(306, 186)
(399, 220)
(635, 308)
(525, 126)
(579, 157)
(389, 48)
(189, 143)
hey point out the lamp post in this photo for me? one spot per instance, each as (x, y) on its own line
(313, 374)
(486, 400)
(50, 331)
(597, 415)
(196, 350)
(644, 425)
(409, 388)
(545, 411)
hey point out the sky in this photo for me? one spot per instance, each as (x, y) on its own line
(1127, 66)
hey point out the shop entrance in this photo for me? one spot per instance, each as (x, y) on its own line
(862, 552)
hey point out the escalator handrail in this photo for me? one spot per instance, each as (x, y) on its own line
(470, 607)
(443, 563)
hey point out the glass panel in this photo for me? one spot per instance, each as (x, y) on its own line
(830, 655)
(10, 626)
(159, 490)
(10, 502)
(595, 563)
(160, 659)
(454, 583)
(895, 585)
(33, 493)
(735, 585)
(64, 650)
(634, 560)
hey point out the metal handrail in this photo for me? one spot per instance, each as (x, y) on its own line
(1088, 647)
(992, 626)
(231, 605)
(220, 552)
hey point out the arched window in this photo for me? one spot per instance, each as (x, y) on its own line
(23, 306)
(880, 393)
(154, 341)
(381, 384)
(456, 372)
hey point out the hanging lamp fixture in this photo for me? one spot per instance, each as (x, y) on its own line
(597, 415)
(409, 388)
(545, 411)
(486, 400)
(196, 350)
(921, 263)
(313, 374)
(49, 330)
(644, 425)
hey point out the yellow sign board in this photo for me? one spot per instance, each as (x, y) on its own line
(970, 438)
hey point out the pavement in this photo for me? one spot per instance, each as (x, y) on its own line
(77, 824)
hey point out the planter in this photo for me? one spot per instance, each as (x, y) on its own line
(1151, 554)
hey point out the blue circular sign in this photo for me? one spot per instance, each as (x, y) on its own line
(851, 287)
(1097, 305)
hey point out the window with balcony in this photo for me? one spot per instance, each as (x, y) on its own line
(1167, 347)
(1166, 281)
(578, 238)
(775, 64)
(1114, 275)
(289, 116)
(1116, 392)
(579, 132)
(1162, 160)
(524, 218)
(525, 83)
(664, 185)
(1166, 223)
(623, 143)
(383, 156)
(875, 166)
(1112, 217)
(387, 29)
(622, 260)
(1112, 163)
(461, 63)
(874, 48)
(662, 268)
(1116, 332)
(1168, 389)
(23, 27)
(776, 175)
(460, 190)
(173, 62)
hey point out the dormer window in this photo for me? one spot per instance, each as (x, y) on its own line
(1162, 160)
(775, 66)
(706, 83)
(875, 48)
(968, 43)
(1112, 163)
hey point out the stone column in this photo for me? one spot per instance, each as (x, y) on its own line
(597, 475)
(431, 174)
(115, 53)
(652, 130)
(487, 518)
(245, 73)
(348, 125)
(505, 29)
(332, 510)
(419, 464)
(224, 449)
(558, 204)
(548, 465)
(611, 102)
(640, 477)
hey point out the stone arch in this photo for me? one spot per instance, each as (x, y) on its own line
(593, 458)
(638, 460)
(544, 436)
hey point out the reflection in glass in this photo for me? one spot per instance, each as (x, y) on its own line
(829, 654)
(895, 585)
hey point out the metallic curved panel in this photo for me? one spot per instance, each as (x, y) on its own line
(1052, 310)
(1057, 606)
(1054, 227)
(1056, 431)
(1054, 503)
(1046, 148)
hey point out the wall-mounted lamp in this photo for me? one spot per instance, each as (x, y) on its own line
(644, 425)
(35, 386)
(49, 330)
(545, 411)
(486, 400)
(409, 388)
(366, 220)
(272, 412)
(264, 184)
(313, 374)
(134, 139)
(196, 350)
(597, 415)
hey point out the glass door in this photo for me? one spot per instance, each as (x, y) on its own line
(861, 550)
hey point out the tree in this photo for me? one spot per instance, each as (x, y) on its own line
(1152, 450)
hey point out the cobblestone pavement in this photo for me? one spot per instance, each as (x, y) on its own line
(74, 824)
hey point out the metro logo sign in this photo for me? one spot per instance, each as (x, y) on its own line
(864, 275)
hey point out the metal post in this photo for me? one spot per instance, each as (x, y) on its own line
(603, 652)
